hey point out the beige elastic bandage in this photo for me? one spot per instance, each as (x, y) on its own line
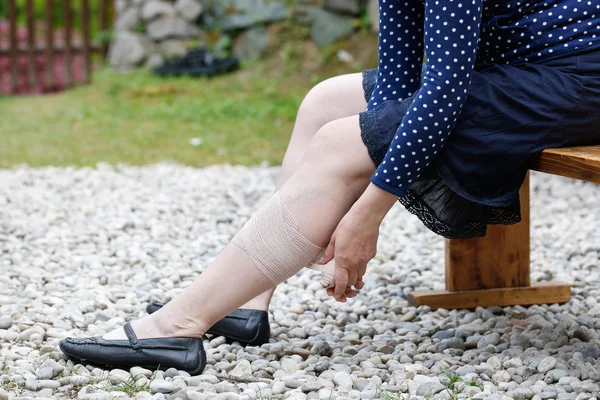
(272, 240)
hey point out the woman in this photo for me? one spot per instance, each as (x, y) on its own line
(504, 79)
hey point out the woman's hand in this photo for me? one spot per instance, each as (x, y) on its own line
(354, 242)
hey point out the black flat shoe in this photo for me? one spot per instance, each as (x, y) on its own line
(186, 354)
(249, 327)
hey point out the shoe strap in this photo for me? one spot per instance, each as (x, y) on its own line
(133, 340)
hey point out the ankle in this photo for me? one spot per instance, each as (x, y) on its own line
(179, 326)
(260, 302)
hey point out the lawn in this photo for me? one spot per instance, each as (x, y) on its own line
(138, 118)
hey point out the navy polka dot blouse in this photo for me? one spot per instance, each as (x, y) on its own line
(455, 35)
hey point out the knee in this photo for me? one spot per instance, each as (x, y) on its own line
(317, 108)
(333, 151)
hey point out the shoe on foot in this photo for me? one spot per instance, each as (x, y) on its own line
(249, 327)
(186, 354)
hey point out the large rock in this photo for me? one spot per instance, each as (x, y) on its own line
(164, 28)
(155, 8)
(172, 47)
(251, 44)
(253, 12)
(343, 6)
(328, 28)
(189, 10)
(373, 13)
(127, 20)
(129, 50)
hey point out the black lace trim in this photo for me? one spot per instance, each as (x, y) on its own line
(370, 136)
(369, 78)
(416, 205)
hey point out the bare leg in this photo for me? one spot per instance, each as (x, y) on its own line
(318, 195)
(328, 101)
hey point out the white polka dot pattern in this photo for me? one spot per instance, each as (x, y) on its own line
(456, 35)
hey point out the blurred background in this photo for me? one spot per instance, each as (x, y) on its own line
(88, 81)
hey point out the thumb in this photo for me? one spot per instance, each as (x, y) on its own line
(329, 252)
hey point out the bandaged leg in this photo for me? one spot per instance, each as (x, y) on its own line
(272, 240)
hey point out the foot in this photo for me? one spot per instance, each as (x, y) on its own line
(160, 326)
(249, 327)
(182, 353)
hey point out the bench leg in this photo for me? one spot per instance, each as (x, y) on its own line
(492, 271)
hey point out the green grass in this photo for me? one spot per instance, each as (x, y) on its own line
(139, 118)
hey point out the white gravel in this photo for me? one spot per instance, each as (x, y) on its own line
(84, 250)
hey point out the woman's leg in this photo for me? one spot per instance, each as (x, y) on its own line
(334, 172)
(335, 98)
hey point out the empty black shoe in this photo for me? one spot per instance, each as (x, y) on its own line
(185, 354)
(198, 62)
(249, 327)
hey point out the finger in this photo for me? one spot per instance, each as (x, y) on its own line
(329, 251)
(352, 277)
(341, 281)
(329, 291)
(350, 293)
(359, 285)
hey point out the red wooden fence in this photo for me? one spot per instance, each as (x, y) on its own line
(39, 58)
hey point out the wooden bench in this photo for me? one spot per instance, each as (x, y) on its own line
(494, 270)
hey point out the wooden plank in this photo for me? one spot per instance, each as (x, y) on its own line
(49, 50)
(538, 293)
(68, 29)
(498, 260)
(573, 162)
(85, 30)
(12, 34)
(32, 70)
(76, 48)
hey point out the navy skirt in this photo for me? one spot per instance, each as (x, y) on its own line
(512, 113)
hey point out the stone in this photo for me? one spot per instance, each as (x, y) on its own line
(225, 387)
(48, 384)
(289, 365)
(343, 381)
(327, 28)
(243, 368)
(520, 394)
(44, 373)
(139, 371)
(156, 8)
(251, 44)
(5, 322)
(164, 28)
(547, 364)
(189, 10)
(47, 393)
(31, 384)
(161, 386)
(590, 351)
(373, 13)
(322, 348)
(351, 7)
(128, 50)
(172, 47)
(127, 20)
(117, 376)
(253, 14)
(427, 389)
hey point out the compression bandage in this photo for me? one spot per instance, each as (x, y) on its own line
(273, 242)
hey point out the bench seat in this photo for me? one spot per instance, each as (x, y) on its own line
(494, 270)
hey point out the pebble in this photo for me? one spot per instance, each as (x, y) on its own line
(161, 386)
(5, 322)
(117, 376)
(83, 250)
(547, 364)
